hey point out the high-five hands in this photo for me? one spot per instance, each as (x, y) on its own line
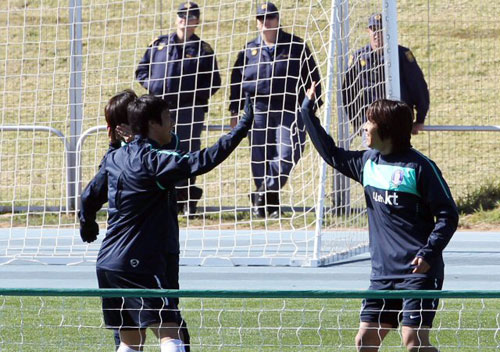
(311, 92)
(248, 113)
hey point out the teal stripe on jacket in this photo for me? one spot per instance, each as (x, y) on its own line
(390, 177)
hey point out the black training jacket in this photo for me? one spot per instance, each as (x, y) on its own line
(139, 181)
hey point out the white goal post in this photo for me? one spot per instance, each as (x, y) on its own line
(59, 66)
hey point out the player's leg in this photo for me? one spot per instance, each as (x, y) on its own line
(172, 276)
(163, 316)
(418, 314)
(417, 339)
(377, 318)
(168, 330)
(371, 335)
(132, 340)
(132, 315)
(170, 337)
(111, 305)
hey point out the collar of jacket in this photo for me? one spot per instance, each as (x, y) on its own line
(281, 38)
(115, 145)
(172, 39)
(173, 145)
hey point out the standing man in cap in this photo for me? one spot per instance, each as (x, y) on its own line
(364, 82)
(274, 68)
(182, 69)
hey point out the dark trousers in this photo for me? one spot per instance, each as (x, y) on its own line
(277, 140)
(188, 127)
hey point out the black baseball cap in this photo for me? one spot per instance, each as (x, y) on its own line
(189, 8)
(267, 9)
(375, 21)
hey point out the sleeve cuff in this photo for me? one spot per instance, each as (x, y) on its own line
(308, 104)
(426, 255)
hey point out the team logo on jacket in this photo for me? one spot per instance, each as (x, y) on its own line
(397, 177)
(134, 263)
(385, 198)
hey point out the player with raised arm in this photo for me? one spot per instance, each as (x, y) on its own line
(138, 180)
(411, 215)
(119, 133)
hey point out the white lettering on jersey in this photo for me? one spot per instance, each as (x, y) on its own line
(387, 198)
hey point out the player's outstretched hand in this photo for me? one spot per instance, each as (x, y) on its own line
(248, 109)
(311, 92)
(89, 231)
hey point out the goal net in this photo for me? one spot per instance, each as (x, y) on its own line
(229, 321)
(60, 62)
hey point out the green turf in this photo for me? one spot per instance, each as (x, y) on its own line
(239, 324)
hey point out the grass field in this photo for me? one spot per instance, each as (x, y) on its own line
(246, 324)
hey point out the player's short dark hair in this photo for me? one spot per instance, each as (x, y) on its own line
(115, 110)
(394, 120)
(144, 109)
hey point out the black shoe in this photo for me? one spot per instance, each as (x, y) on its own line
(258, 203)
(273, 205)
(195, 194)
(182, 198)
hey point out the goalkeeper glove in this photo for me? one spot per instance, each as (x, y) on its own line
(89, 231)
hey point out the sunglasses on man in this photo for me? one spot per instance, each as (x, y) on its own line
(184, 16)
(270, 16)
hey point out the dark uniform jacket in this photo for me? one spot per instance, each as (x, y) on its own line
(184, 74)
(138, 180)
(410, 208)
(364, 83)
(278, 78)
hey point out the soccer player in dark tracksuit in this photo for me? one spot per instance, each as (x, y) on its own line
(182, 69)
(138, 180)
(364, 81)
(411, 217)
(274, 68)
(119, 133)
